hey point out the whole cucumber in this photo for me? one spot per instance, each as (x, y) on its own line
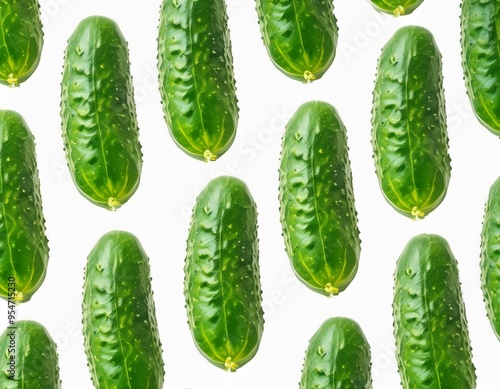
(396, 7)
(222, 282)
(197, 84)
(480, 23)
(24, 251)
(409, 135)
(29, 359)
(432, 340)
(300, 36)
(338, 357)
(490, 256)
(21, 40)
(99, 121)
(122, 342)
(316, 196)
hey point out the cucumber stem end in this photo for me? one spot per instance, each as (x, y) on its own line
(399, 10)
(209, 156)
(309, 76)
(329, 288)
(230, 365)
(417, 213)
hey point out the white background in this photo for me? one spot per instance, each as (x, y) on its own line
(159, 211)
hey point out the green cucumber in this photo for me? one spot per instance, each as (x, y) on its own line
(222, 282)
(99, 121)
(300, 36)
(24, 251)
(409, 135)
(122, 342)
(432, 340)
(318, 216)
(338, 357)
(490, 256)
(396, 7)
(28, 356)
(21, 40)
(480, 23)
(197, 84)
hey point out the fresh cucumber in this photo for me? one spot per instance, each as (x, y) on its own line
(396, 7)
(197, 84)
(318, 215)
(24, 251)
(300, 36)
(222, 282)
(121, 335)
(409, 133)
(432, 340)
(100, 129)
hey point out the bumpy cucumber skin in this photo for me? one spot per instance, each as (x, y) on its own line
(300, 36)
(338, 357)
(24, 251)
(396, 7)
(121, 335)
(409, 134)
(222, 282)
(100, 131)
(36, 359)
(490, 256)
(480, 23)
(197, 84)
(21, 40)
(318, 215)
(432, 341)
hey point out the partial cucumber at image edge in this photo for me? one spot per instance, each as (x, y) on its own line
(21, 41)
(430, 326)
(24, 251)
(222, 281)
(300, 36)
(99, 122)
(396, 7)
(409, 132)
(490, 257)
(196, 78)
(338, 356)
(36, 364)
(480, 23)
(318, 214)
(120, 330)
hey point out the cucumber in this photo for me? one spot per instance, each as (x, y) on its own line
(409, 135)
(222, 282)
(300, 36)
(338, 357)
(99, 121)
(432, 340)
(196, 77)
(318, 215)
(29, 359)
(21, 40)
(121, 335)
(396, 7)
(490, 256)
(480, 23)
(24, 251)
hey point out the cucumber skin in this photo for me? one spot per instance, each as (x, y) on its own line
(37, 362)
(490, 257)
(119, 320)
(21, 48)
(480, 22)
(427, 276)
(100, 131)
(196, 77)
(300, 36)
(338, 356)
(222, 252)
(414, 181)
(317, 200)
(24, 251)
(396, 7)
